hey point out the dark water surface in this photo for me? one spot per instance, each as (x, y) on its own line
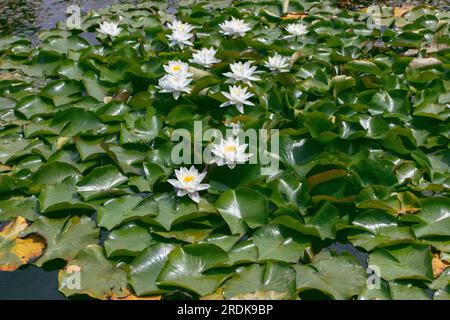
(26, 17)
(30, 283)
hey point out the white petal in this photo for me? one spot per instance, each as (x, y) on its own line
(225, 104)
(194, 196)
(175, 183)
(203, 186)
(201, 176)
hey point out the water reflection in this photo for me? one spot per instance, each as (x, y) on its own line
(26, 17)
(19, 16)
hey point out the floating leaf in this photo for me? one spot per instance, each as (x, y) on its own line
(435, 218)
(190, 268)
(274, 281)
(92, 274)
(242, 205)
(146, 267)
(276, 242)
(64, 237)
(15, 250)
(128, 240)
(13, 207)
(119, 210)
(100, 182)
(339, 276)
(403, 262)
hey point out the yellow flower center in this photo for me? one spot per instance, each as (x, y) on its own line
(176, 68)
(188, 178)
(230, 148)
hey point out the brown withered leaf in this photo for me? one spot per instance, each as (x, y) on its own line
(400, 11)
(316, 179)
(438, 265)
(4, 168)
(294, 15)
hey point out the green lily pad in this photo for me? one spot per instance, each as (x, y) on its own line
(435, 218)
(62, 196)
(25, 207)
(190, 267)
(64, 237)
(274, 281)
(339, 276)
(403, 262)
(128, 240)
(381, 230)
(92, 274)
(242, 205)
(275, 242)
(119, 210)
(100, 182)
(145, 268)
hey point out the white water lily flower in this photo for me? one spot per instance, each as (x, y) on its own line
(177, 68)
(175, 84)
(278, 63)
(205, 57)
(109, 28)
(188, 182)
(237, 96)
(181, 38)
(181, 26)
(235, 127)
(229, 152)
(297, 29)
(234, 27)
(242, 72)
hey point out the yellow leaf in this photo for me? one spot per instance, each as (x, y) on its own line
(438, 265)
(4, 168)
(400, 11)
(61, 142)
(15, 251)
(294, 15)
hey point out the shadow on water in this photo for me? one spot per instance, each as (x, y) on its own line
(30, 283)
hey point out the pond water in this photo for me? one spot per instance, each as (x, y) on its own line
(26, 17)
